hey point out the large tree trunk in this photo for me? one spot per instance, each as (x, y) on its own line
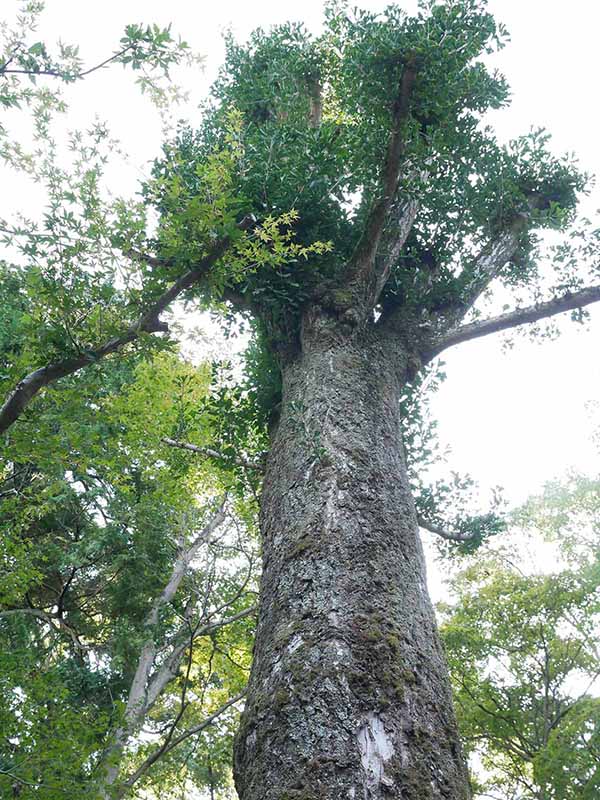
(349, 697)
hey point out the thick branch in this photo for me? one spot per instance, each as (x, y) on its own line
(149, 322)
(486, 266)
(161, 751)
(393, 240)
(361, 266)
(512, 319)
(316, 103)
(208, 452)
(450, 535)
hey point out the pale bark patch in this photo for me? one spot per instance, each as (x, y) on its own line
(376, 748)
(295, 642)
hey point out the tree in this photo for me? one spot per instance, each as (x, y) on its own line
(343, 197)
(523, 655)
(126, 568)
(126, 593)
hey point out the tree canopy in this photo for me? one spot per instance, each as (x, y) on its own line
(128, 567)
(523, 651)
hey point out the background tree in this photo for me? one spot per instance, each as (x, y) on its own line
(524, 657)
(126, 572)
(127, 592)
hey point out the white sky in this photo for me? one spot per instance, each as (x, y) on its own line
(514, 419)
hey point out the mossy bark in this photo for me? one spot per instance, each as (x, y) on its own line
(349, 696)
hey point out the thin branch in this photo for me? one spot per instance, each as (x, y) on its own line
(518, 747)
(105, 62)
(211, 627)
(55, 622)
(149, 322)
(168, 670)
(214, 626)
(208, 452)
(451, 536)
(145, 766)
(146, 258)
(22, 781)
(65, 75)
(512, 319)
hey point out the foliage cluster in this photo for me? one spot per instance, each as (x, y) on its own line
(523, 649)
(95, 510)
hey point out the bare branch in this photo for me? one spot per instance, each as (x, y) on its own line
(168, 670)
(137, 703)
(183, 705)
(214, 626)
(451, 536)
(208, 452)
(361, 265)
(182, 562)
(486, 266)
(149, 322)
(144, 690)
(512, 319)
(160, 751)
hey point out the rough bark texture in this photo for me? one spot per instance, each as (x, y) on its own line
(349, 697)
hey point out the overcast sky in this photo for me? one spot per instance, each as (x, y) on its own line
(518, 418)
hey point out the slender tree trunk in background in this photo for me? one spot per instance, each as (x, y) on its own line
(349, 697)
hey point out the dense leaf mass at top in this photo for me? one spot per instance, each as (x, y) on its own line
(316, 118)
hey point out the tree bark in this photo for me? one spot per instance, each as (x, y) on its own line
(349, 697)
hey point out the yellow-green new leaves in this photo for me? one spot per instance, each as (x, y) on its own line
(197, 203)
(164, 390)
(270, 244)
(201, 204)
